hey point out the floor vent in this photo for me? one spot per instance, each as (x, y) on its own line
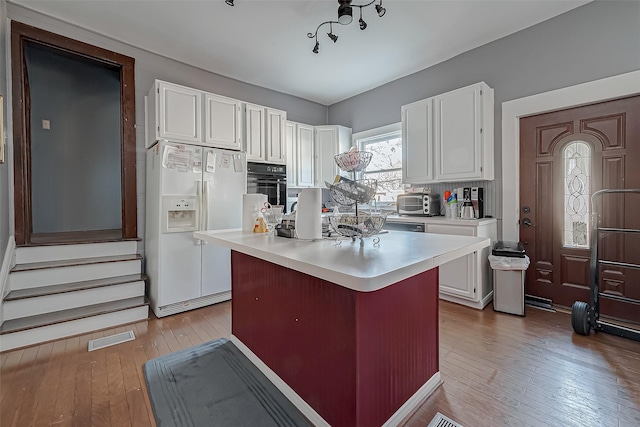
(441, 421)
(111, 340)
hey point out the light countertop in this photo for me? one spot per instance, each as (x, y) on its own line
(400, 255)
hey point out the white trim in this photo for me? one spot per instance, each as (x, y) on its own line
(7, 264)
(394, 127)
(414, 401)
(85, 325)
(585, 93)
(192, 304)
(288, 392)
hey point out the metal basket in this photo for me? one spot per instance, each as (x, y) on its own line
(363, 225)
(347, 192)
(353, 161)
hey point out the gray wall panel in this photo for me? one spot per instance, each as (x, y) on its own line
(597, 40)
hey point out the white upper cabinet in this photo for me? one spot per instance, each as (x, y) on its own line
(276, 151)
(254, 132)
(464, 134)
(174, 113)
(449, 137)
(223, 122)
(300, 154)
(329, 141)
(305, 155)
(417, 142)
(291, 143)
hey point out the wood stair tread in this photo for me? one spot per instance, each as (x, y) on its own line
(74, 262)
(31, 322)
(71, 287)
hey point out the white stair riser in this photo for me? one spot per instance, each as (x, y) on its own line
(25, 255)
(74, 327)
(76, 273)
(63, 301)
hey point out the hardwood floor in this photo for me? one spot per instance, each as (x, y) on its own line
(498, 370)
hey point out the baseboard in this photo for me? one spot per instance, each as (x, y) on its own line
(288, 392)
(479, 305)
(414, 401)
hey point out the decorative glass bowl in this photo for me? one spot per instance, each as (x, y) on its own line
(347, 192)
(353, 161)
(363, 225)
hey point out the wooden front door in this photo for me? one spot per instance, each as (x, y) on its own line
(565, 156)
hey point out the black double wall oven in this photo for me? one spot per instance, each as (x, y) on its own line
(268, 179)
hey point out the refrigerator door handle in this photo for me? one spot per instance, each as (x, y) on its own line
(198, 242)
(205, 207)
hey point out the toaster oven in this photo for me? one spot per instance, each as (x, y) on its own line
(418, 204)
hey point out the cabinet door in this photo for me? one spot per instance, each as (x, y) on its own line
(276, 148)
(458, 134)
(180, 111)
(222, 122)
(291, 143)
(458, 277)
(326, 148)
(305, 155)
(417, 142)
(254, 132)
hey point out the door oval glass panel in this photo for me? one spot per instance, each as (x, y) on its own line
(576, 159)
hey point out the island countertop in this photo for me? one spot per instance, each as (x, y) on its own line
(367, 268)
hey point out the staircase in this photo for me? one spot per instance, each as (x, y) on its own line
(58, 291)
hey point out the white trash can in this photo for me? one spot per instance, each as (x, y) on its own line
(508, 283)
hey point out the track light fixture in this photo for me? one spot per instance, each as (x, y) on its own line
(345, 17)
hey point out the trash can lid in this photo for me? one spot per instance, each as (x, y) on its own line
(508, 249)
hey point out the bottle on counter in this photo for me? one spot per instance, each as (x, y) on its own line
(259, 224)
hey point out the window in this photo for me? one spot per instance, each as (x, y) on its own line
(386, 163)
(576, 157)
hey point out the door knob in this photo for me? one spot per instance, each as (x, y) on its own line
(526, 223)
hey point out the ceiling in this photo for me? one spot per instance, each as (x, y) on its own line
(265, 42)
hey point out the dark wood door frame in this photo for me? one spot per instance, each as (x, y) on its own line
(22, 34)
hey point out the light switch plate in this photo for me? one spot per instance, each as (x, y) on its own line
(46, 124)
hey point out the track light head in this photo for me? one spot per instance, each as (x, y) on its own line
(381, 10)
(229, 2)
(333, 37)
(345, 13)
(316, 48)
(363, 25)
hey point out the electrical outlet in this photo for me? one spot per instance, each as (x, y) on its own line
(46, 124)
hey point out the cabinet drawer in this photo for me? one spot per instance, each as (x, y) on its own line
(451, 229)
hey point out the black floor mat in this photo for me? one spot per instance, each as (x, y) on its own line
(214, 384)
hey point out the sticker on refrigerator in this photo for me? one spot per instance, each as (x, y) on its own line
(237, 163)
(197, 162)
(211, 162)
(225, 161)
(176, 157)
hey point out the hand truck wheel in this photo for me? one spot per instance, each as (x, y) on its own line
(580, 318)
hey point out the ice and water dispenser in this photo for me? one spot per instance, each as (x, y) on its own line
(179, 214)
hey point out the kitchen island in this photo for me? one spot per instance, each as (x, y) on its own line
(348, 333)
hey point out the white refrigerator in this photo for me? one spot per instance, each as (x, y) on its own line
(190, 188)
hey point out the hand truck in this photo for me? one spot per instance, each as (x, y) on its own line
(585, 317)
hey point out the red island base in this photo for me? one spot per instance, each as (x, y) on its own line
(354, 357)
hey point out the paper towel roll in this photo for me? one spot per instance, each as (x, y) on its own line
(249, 202)
(309, 214)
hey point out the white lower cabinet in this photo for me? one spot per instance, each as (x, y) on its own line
(468, 280)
